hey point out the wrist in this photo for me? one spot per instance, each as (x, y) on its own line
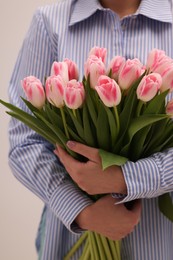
(121, 182)
(117, 183)
(83, 220)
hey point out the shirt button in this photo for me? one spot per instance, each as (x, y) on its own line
(123, 27)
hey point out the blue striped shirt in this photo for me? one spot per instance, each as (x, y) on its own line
(69, 29)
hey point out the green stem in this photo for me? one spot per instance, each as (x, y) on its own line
(64, 123)
(115, 249)
(93, 245)
(118, 247)
(87, 255)
(74, 112)
(76, 246)
(123, 93)
(139, 107)
(86, 250)
(100, 246)
(117, 119)
(106, 248)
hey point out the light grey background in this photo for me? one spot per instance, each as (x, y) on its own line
(19, 209)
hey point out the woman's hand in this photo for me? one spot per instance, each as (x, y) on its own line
(103, 216)
(89, 175)
(108, 219)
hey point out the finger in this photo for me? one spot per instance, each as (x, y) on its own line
(63, 155)
(56, 152)
(87, 151)
(67, 160)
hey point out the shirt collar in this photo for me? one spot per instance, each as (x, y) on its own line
(154, 9)
(83, 9)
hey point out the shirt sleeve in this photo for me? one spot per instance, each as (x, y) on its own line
(149, 177)
(31, 157)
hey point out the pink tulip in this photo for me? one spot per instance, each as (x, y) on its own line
(95, 68)
(115, 66)
(167, 78)
(74, 94)
(55, 90)
(60, 68)
(34, 91)
(99, 52)
(154, 58)
(108, 91)
(149, 86)
(162, 65)
(129, 73)
(169, 108)
(143, 69)
(73, 72)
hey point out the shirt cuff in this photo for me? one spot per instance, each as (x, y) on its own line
(142, 179)
(67, 202)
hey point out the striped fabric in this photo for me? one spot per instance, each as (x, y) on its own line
(70, 29)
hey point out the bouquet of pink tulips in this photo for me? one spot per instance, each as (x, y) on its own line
(118, 109)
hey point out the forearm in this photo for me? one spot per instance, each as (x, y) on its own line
(35, 165)
(150, 177)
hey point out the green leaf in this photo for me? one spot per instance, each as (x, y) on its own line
(30, 121)
(88, 130)
(102, 129)
(38, 127)
(156, 104)
(136, 125)
(108, 159)
(15, 109)
(60, 134)
(91, 103)
(162, 146)
(75, 136)
(54, 117)
(78, 127)
(57, 131)
(157, 137)
(129, 105)
(112, 126)
(137, 144)
(126, 115)
(166, 206)
(79, 115)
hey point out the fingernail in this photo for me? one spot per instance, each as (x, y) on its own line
(71, 144)
(55, 152)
